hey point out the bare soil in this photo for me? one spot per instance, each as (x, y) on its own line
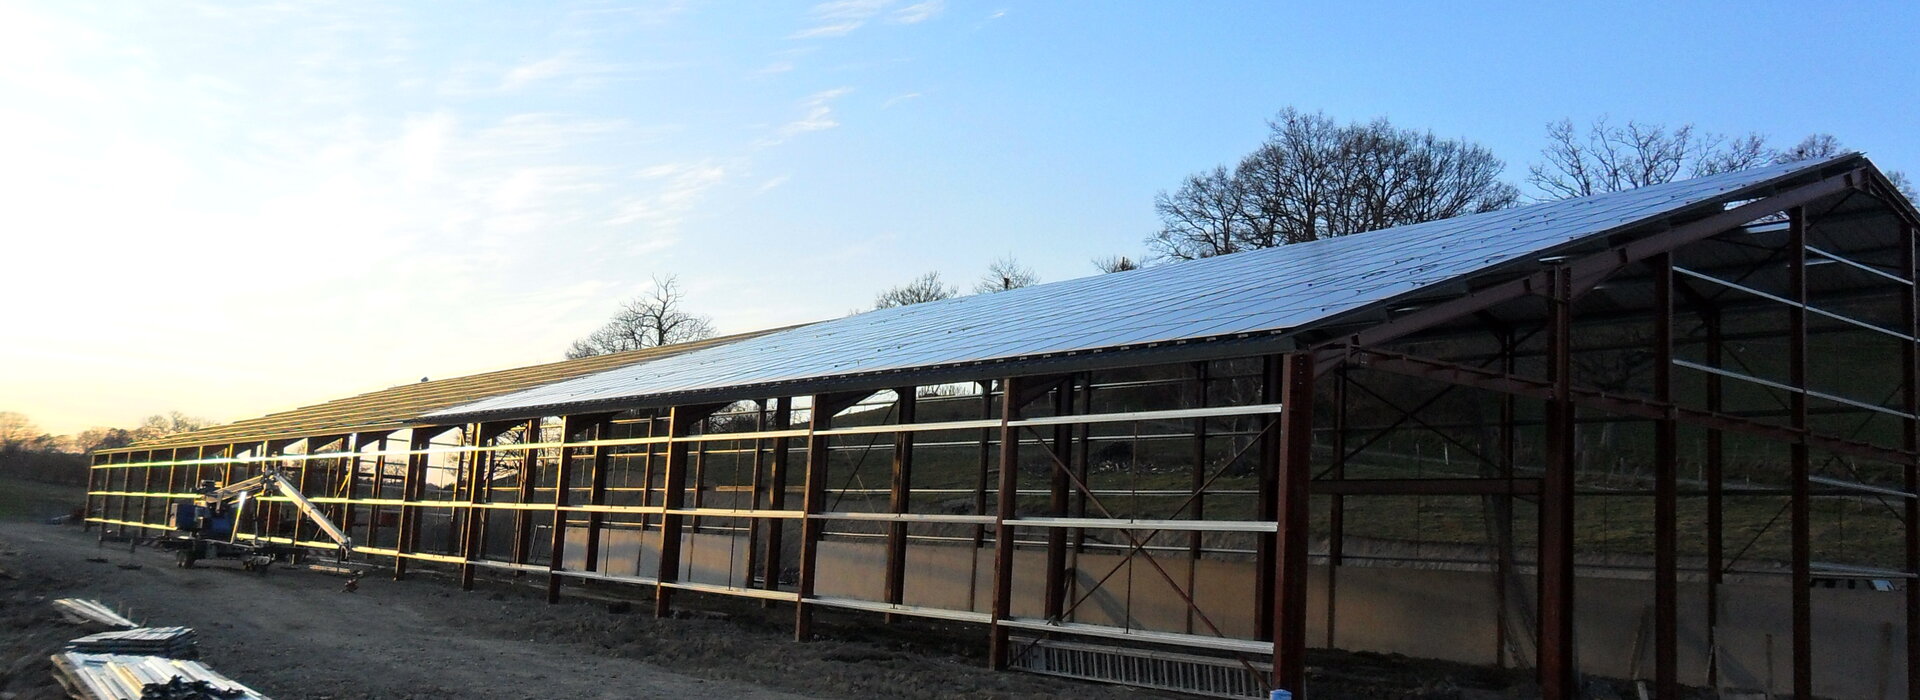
(294, 633)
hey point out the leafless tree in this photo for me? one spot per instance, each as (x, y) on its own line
(1608, 158)
(1115, 263)
(1826, 146)
(1003, 274)
(170, 423)
(1314, 178)
(922, 289)
(657, 317)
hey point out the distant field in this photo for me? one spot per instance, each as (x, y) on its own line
(34, 500)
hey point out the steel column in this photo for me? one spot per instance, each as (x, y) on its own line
(1910, 368)
(680, 421)
(562, 480)
(897, 501)
(813, 500)
(1267, 501)
(1005, 509)
(1666, 576)
(1801, 456)
(1911, 440)
(1556, 662)
(597, 493)
(1290, 540)
(1055, 580)
(777, 497)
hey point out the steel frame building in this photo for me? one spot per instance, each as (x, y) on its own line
(1743, 338)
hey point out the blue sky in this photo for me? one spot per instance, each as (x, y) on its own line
(234, 209)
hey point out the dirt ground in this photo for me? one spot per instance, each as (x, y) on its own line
(293, 633)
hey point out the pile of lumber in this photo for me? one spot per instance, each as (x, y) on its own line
(166, 642)
(123, 677)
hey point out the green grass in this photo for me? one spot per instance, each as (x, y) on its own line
(20, 500)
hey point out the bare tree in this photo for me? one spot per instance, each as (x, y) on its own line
(922, 289)
(1115, 263)
(1314, 178)
(1004, 274)
(1826, 146)
(655, 318)
(1609, 158)
(170, 423)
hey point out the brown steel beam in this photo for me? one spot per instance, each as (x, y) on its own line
(813, 501)
(1267, 501)
(597, 492)
(1012, 388)
(1715, 475)
(680, 423)
(1666, 466)
(1290, 538)
(1555, 668)
(897, 501)
(529, 474)
(562, 479)
(1801, 458)
(777, 496)
(1054, 580)
(1910, 434)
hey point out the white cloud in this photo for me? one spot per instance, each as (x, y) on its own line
(839, 18)
(770, 184)
(897, 99)
(919, 12)
(826, 31)
(674, 190)
(819, 113)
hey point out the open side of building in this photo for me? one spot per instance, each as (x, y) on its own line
(1653, 433)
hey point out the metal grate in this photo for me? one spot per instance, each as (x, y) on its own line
(1145, 668)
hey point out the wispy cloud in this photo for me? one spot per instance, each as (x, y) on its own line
(818, 116)
(675, 189)
(770, 184)
(919, 12)
(897, 99)
(839, 18)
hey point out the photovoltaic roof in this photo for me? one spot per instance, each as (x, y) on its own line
(1268, 291)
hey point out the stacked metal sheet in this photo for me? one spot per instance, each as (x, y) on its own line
(169, 642)
(83, 611)
(117, 677)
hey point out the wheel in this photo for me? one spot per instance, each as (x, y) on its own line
(184, 558)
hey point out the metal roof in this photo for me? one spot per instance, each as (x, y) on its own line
(395, 407)
(1265, 292)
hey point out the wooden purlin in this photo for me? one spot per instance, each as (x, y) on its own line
(397, 406)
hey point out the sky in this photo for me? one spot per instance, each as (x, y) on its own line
(233, 209)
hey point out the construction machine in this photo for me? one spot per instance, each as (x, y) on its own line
(205, 528)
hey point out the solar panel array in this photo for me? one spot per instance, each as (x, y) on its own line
(1274, 289)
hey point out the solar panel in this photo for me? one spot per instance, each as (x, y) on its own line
(1286, 288)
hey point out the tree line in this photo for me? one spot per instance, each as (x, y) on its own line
(28, 452)
(1312, 178)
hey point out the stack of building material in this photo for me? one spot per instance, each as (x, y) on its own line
(169, 642)
(117, 677)
(81, 611)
